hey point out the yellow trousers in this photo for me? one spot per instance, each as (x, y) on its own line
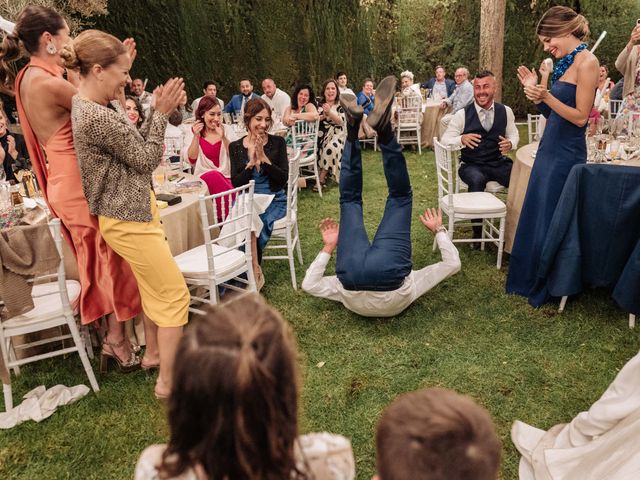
(163, 291)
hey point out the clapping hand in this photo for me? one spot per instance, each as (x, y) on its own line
(170, 95)
(527, 77)
(432, 219)
(11, 144)
(635, 35)
(536, 93)
(130, 45)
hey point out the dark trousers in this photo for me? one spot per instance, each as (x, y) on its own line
(476, 177)
(383, 264)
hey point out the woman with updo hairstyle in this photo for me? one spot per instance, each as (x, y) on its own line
(262, 157)
(116, 164)
(566, 107)
(234, 407)
(207, 145)
(43, 99)
(134, 111)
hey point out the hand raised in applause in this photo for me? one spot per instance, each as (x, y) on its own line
(170, 95)
(197, 128)
(526, 76)
(130, 45)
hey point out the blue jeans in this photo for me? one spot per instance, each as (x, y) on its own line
(383, 264)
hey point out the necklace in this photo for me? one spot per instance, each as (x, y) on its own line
(565, 62)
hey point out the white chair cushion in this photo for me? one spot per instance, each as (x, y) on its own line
(494, 187)
(193, 263)
(474, 202)
(282, 222)
(45, 307)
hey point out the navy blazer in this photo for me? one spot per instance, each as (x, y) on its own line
(451, 85)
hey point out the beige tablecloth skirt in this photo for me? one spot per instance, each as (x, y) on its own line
(518, 183)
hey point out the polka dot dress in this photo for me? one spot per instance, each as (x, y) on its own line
(331, 140)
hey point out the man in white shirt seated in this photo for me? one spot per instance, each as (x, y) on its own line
(376, 279)
(138, 91)
(486, 131)
(341, 78)
(460, 98)
(208, 88)
(278, 100)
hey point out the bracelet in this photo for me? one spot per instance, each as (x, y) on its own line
(441, 228)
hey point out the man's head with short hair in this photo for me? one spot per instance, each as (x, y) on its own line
(137, 87)
(367, 86)
(209, 88)
(436, 434)
(461, 75)
(484, 88)
(440, 73)
(341, 77)
(246, 88)
(269, 87)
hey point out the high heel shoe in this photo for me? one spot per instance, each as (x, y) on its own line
(108, 352)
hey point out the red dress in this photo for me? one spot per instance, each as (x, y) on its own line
(107, 282)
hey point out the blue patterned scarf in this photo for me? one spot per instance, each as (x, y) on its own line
(565, 62)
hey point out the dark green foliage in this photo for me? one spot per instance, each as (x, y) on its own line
(309, 40)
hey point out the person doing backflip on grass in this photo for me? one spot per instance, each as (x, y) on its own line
(375, 279)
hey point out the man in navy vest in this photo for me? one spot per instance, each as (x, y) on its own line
(486, 131)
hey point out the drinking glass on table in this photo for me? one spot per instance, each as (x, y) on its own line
(160, 176)
(614, 149)
(5, 196)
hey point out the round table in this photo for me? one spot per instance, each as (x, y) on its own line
(518, 183)
(431, 116)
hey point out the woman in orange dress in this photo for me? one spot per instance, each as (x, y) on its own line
(43, 99)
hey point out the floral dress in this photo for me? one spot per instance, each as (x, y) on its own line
(331, 140)
(631, 104)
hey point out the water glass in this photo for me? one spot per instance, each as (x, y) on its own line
(5, 196)
(614, 149)
(160, 176)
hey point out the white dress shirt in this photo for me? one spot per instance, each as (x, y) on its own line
(279, 103)
(382, 304)
(196, 102)
(346, 90)
(453, 135)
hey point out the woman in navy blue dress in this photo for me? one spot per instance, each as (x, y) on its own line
(566, 107)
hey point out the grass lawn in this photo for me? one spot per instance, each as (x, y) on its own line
(467, 334)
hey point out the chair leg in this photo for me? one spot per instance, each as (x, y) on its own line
(317, 174)
(292, 264)
(86, 339)
(8, 397)
(632, 320)
(298, 247)
(13, 357)
(482, 235)
(563, 303)
(73, 328)
(501, 242)
(419, 142)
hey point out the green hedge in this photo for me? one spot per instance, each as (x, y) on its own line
(309, 40)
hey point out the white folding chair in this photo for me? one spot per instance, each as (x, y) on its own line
(305, 139)
(614, 108)
(285, 235)
(409, 110)
(373, 140)
(52, 296)
(469, 205)
(563, 304)
(172, 148)
(533, 127)
(224, 258)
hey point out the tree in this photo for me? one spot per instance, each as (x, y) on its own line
(492, 38)
(73, 10)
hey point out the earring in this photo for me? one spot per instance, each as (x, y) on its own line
(51, 48)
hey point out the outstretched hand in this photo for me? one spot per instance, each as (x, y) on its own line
(432, 219)
(329, 229)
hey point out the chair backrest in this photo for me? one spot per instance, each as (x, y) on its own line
(59, 277)
(409, 109)
(443, 170)
(292, 184)
(533, 127)
(305, 138)
(229, 213)
(172, 146)
(614, 108)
